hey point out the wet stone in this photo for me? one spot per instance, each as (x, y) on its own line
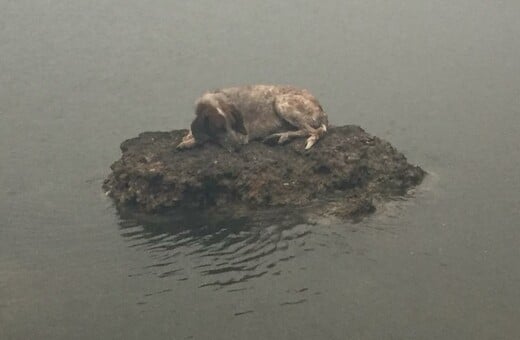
(344, 174)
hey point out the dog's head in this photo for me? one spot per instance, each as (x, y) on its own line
(208, 123)
(214, 114)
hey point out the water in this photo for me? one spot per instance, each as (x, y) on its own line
(438, 79)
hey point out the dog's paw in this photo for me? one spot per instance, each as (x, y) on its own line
(187, 144)
(311, 141)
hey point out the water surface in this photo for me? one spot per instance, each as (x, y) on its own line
(439, 79)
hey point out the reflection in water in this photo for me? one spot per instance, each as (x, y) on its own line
(237, 254)
(222, 250)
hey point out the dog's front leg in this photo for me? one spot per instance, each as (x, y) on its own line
(232, 142)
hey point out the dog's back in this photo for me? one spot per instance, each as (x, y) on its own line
(256, 103)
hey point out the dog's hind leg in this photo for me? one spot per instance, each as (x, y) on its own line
(315, 136)
(304, 113)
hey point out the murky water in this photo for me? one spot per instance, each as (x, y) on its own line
(438, 79)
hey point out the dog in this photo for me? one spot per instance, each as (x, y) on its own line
(234, 116)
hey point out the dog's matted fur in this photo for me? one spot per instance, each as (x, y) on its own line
(235, 115)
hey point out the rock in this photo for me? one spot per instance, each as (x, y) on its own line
(343, 174)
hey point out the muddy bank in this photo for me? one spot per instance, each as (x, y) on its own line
(343, 175)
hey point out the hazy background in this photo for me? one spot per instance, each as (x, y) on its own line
(439, 79)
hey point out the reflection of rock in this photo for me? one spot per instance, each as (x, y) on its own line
(341, 175)
(217, 250)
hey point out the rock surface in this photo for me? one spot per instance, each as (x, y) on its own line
(343, 174)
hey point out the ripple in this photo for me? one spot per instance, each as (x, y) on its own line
(216, 250)
(288, 303)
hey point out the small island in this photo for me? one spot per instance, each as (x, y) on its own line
(342, 175)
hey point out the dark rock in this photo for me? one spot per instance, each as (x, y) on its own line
(343, 174)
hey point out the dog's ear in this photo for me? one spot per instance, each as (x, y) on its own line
(238, 124)
(199, 128)
(235, 116)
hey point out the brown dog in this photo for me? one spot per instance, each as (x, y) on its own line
(235, 115)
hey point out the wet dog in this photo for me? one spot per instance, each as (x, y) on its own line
(236, 115)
